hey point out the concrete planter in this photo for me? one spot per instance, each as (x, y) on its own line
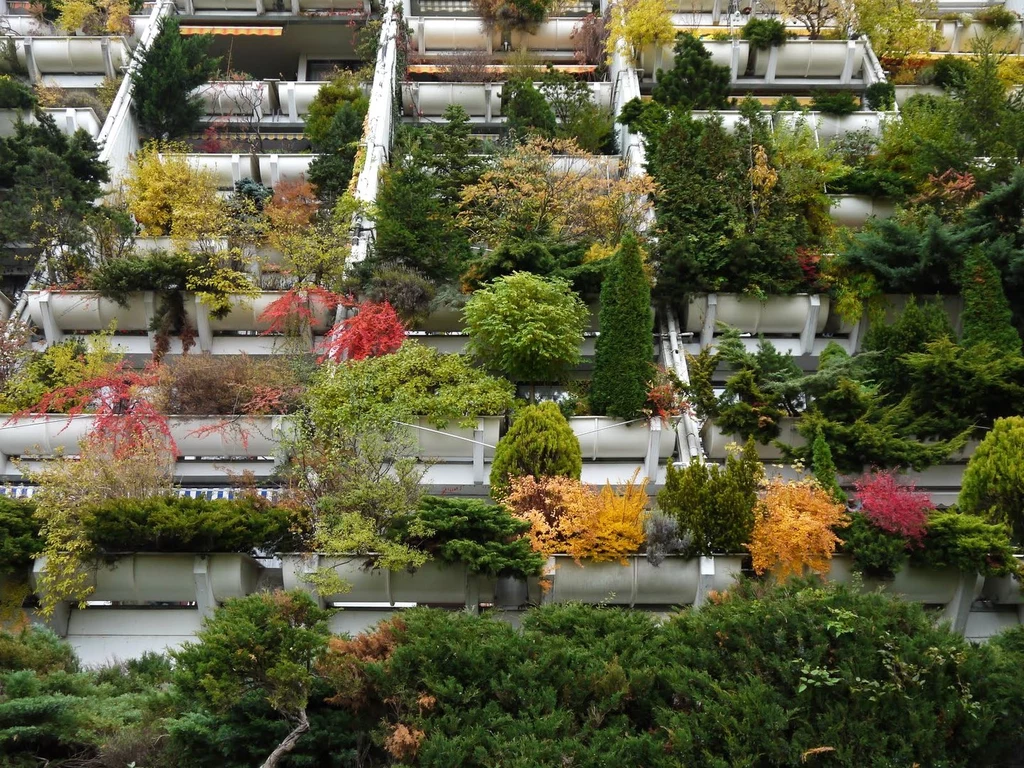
(932, 586)
(160, 577)
(194, 436)
(904, 92)
(676, 581)
(716, 441)
(775, 315)
(602, 437)
(445, 444)
(854, 210)
(434, 583)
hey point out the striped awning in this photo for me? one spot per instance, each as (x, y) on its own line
(434, 69)
(212, 494)
(194, 29)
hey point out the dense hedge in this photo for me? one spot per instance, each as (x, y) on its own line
(181, 524)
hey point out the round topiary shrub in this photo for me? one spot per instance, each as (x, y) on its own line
(539, 443)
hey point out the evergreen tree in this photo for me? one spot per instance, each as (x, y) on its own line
(416, 225)
(526, 110)
(162, 86)
(824, 468)
(917, 325)
(332, 168)
(694, 82)
(622, 366)
(451, 153)
(993, 484)
(541, 443)
(714, 504)
(987, 317)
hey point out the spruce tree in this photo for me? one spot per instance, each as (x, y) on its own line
(824, 467)
(162, 86)
(540, 443)
(625, 348)
(987, 317)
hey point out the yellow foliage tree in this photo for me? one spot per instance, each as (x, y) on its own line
(794, 528)
(552, 188)
(568, 518)
(640, 23)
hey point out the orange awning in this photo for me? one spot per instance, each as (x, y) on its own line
(198, 30)
(432, 69)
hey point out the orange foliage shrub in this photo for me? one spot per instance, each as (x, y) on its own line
(568, 518)
(342, 665)
(794, 525)
(404, 742)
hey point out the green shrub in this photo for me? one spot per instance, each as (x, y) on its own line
(14, 94)
(486, 537)
(526, 110)
(787, 103)
(714, 505)
(764, 33)
(875, 552)
(835, 102)
(20, 541)
(181, 524)
(541, 443)
(824, 467)
(625, 348)
(951, 72)
(997, 16)
(993, 483)
(986, 317)
(968, 543)
(414, 381)
(881, 96)
(695, 81)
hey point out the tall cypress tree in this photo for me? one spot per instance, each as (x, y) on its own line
(987, 316)
(625, 348)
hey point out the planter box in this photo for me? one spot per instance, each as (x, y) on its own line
(602, 437)
(433, 583)
(776, 315)
(854, 210)
(1003, 590)
(218, 436)
(172, 578)
(448, 446)
(932, 586)
(85, 311)
(716, 441)
(677, 581)
(904, 92)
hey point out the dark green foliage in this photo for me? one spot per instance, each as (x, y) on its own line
(162, 86)
(881, 96)
(14, 94)
(758, 679)
(526, 110)
(408, 292)
(486, 537)
(333, 165)
(37, 649)
(918, 325)
(875, 552)
(625, 348)
(993, 483)
(824, 468)
(986, 317)
(694, 82)
(579, 118)
(541, 443)
(968, 543)
(181, 524)
(19, 536)
(835, 103)
(951, 72)
(450, 151)
(159, 271)
(764, 33)
(416, 226)
(714, 505)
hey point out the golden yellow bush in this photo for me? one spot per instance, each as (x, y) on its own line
(568, 518)
(794, 528)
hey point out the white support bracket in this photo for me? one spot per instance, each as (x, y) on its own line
(149, 304)
(203, 330)
(52, 333)
(851, 52)
(734, 61)
(705, 581)
(707, 333)
(205, 601)
(959, 608)
(810, 325)
(773, 64)
(653, 459)
(30, 60)
(478, 453)
(108, 61)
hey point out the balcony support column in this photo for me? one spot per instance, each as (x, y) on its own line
(851, 50)
(707, 333)
(734, 61)
(108, 61)
(149, 302)
(203, 331)
(205, 601)
(478, 453)
(959, 608)
(52, 333)
(653, 459)
(705, 581)
(811, 325)
(773, 64)
(30, 60)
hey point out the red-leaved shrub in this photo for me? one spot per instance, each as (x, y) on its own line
(374, 331)
(893, 507)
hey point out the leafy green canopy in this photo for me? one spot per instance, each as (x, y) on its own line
(993, 484)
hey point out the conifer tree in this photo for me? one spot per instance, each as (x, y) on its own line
(162, 86)
(695, 81)
(824, 467)
(993, 484)
(987, 317)
(622, 367)
(539, 443)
